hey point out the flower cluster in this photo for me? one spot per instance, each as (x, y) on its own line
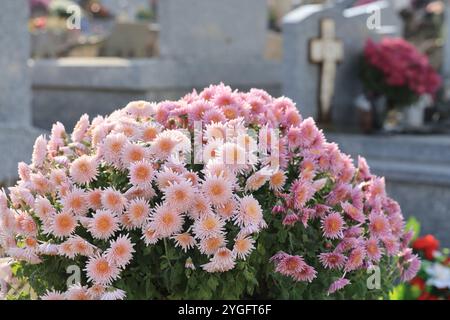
(204, 174)
(432, 282)
(401, 66)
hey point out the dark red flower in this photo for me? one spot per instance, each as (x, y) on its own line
(427, 296)
(419, 282)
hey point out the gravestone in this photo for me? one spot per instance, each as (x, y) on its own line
(16, 134)
(446, 62)
(126, 9)
(302, 79)
(212, 29)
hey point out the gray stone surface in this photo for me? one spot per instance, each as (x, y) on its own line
(417, 171)
(14, 52)
(65, 89)
(212, 29)
(16, 134)
(446, 55)
(300, 78)
(126, 9)
(446, 65)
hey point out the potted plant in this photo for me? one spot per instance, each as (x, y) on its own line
(221, 194)
(393, 68)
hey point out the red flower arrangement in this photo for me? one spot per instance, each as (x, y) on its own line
(395, 68)
(428, 245)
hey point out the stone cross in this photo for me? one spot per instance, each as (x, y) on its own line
(301, 77)
(327, 51)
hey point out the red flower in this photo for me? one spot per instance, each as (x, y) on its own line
(427, 296)
(428, 244)
(419, 282)
(402, 65)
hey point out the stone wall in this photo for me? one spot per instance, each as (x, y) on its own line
(65, 89)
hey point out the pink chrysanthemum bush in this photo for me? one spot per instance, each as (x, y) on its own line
(222, 194)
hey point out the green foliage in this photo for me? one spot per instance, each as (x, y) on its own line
(414, 225)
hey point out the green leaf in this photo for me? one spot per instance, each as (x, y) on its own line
(414, 225)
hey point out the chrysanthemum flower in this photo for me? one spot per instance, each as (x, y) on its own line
(82, 246)
(378, 225)
(141, 173)
(235, 156)
(58, 177)
(332, 260)
(166, 221)
(113, 200)
(184, 240)
(228, 210)
(208, 226)
(168, 142)
(115, 294)
(277, 180)
(307, 274)
(217, 189)
(120, 251)
(353, 212)
(132, 153)
(200, 207)
(250, 212)
(66, 249)
(355, 260)
(289, 265)
(338, 285)
(63, 224)
(222, 261)
(140, 109)
(75, 201)
(77, 292)
(103, 224)
(149, 132)
(94, 199)
(332, 225)
(84, 169)
(179, 195)
(302, 191)
(39, 152)
(138, 211)
(257, 180)
(210, 150)
(373, 250)
(243, 246)
(112, 148)
(210, 245)
(99, 270)
(391, 244)
(413, 266)
(44, 209)
(166, 176)
(53, 295)
(40, 184)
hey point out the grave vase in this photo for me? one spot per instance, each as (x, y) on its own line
(414, 115)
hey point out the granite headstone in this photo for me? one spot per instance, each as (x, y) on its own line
(212, 29)
(301, 78)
